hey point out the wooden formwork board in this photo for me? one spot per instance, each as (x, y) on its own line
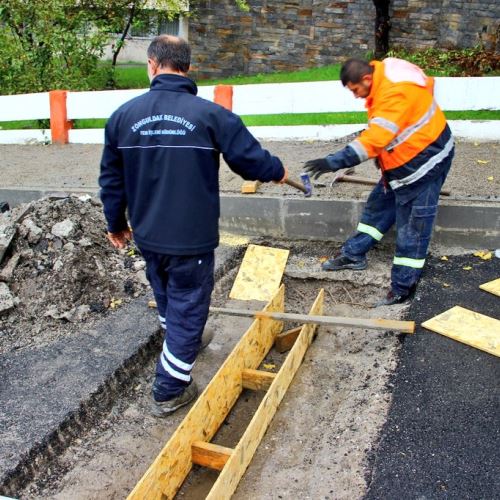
(166, 474)
(239, 460)
(191, 441)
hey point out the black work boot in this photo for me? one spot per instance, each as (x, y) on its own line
(390, 299)
(342, 262)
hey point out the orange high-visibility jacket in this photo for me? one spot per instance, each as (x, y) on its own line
(407, 130)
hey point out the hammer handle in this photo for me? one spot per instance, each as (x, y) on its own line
(296, 185)
(372, 182)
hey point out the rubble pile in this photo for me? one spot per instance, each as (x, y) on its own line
(58, 269)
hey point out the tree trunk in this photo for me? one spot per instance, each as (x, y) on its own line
(126, 29)
(382, 27)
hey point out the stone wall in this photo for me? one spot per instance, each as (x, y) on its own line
(296, 34)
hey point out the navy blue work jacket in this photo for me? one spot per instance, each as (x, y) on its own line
(161, 163)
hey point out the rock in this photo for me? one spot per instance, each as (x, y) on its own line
(69, 247)
(138, 265)
(6, 298)
(7, 232)
(7, 272)
(58, 265)
(63, 229)
(34, 232)
(141, 277)
(85, 242)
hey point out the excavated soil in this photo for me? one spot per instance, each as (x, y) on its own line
(61, 271)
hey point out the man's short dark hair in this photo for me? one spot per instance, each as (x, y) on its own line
(170, 52)
(353, 71)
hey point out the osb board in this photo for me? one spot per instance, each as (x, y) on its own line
(260, 273)
(492, 287)
(166, 474)
(469, 327)
(241, 457)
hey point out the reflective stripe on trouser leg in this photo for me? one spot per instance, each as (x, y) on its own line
(414, 221)
(190, 284)
(377, 218)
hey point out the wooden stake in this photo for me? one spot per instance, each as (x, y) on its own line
(370, 323)
(284, 341)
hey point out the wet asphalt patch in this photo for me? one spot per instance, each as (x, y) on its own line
(441, 439)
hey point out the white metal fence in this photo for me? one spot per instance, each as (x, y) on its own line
(308, 97)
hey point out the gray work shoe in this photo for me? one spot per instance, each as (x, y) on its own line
(206, 337)
(342, 262)
(165, 408)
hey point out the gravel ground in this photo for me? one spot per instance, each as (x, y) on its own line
(475, 172)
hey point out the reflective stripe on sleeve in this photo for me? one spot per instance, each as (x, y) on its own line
(360, 150)
(413, 128)
(370, 230)
(382, 122)
(406, 261)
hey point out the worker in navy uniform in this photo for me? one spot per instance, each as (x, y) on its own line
(160, 164)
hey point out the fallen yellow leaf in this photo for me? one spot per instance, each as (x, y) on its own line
(490, 178)
(152, 304)
(444, 257)
(269, 366)
(115, 303)
(323, 259)
(446, 285)
(483, 162)
(467, 268)
(483, 254)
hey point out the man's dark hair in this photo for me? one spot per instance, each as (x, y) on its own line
(170, 52)
(353, 71)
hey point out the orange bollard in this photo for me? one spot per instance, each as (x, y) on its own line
(59, 123)
(223, 95)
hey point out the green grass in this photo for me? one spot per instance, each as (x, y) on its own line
(129, 76)
(276, 120)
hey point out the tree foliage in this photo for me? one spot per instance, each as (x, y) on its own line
(58, 44)
(47, 44)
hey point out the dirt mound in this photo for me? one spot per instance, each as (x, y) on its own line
(57, 267)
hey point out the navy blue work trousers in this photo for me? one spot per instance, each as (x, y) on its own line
(414, 223)
(182, 286)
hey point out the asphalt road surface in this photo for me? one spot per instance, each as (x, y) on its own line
(441, 439)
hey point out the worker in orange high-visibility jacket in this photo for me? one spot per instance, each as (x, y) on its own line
(412, 144)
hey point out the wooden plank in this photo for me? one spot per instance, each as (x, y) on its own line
(260, 273)
(166, 474)
(284, 341)
(371, 323)
(257, 380)
(492, 287)
(469, 327)
(235, 467)
(210, 455)
(250, 187)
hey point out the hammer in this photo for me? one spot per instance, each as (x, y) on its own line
(346, 176)
(305, 187)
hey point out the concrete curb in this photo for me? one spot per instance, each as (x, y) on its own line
(475, 224)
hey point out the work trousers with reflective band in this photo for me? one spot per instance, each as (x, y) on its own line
(414, 222)
(182, 286)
